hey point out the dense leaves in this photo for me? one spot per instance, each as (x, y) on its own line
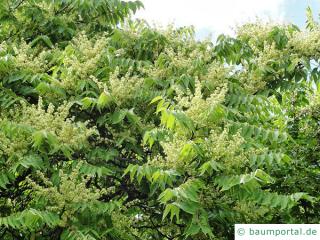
(112, 129)
(46, 22)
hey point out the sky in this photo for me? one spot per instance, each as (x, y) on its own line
(222, 16)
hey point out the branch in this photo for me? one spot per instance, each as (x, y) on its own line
(17, 6)
(63, 9)
(162, 234)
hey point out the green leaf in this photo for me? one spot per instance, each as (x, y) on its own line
(34, 161)
(173, 210)
(45, 39)
(156, 99)
(118, 116)
(167, 195)
(104, 100)
(189, 207)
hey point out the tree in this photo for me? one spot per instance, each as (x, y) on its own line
(133, 132)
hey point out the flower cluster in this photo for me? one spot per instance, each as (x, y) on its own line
(269, 57)
(217, 76)
(80, 60)
(64, 198)
(306, 44)
(126, 87)
(68, 132)
(255, 34)
(172, 149)
(14, 140)
(226, 149)
(200, 109)
(27, 59)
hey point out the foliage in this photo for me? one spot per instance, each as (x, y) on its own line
(46, 22)
(128, 131)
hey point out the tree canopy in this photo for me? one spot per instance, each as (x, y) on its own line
(114, 129)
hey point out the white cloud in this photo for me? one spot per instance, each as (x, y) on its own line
(217, 16)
